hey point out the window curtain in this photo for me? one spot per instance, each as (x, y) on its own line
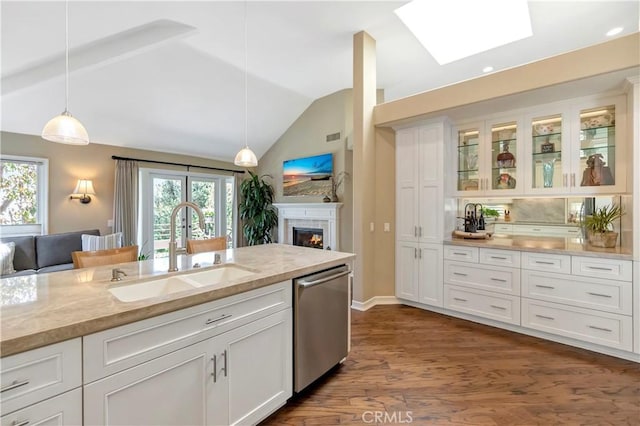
(240, 240)
(125, 201)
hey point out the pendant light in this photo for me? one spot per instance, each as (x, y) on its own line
(245, 157)
(65, 128)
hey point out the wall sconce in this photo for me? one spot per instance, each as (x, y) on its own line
(82, 191)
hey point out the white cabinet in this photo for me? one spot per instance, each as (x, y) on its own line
(420, 212)
(224, 362)
(64, 409)
(238, 377)
(577, 146)
(33, 376)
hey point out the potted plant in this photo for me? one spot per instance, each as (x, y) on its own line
(489, 213)
(256, 210)
(599, 226)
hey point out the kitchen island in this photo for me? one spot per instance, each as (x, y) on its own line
(80, 349)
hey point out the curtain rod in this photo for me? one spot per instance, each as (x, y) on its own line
(115, 157)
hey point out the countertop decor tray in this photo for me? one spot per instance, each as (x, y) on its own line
(481, 235)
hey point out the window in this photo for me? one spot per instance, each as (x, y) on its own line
(23, 195)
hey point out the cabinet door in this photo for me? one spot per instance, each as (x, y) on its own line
(504, 155)
(407, 185)
(598, 135)
(253, 371)
(431, 282)
(169, 390)
(468, 159)
(407, 270)
(431, 158)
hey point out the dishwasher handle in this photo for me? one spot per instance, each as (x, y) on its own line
(307, 284)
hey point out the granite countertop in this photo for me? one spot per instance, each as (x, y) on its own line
(38, 310)
(540, 244)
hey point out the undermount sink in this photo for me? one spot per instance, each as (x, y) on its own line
(164, 286)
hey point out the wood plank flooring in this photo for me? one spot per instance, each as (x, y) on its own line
(409, 366)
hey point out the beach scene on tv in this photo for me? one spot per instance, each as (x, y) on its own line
(309, 176)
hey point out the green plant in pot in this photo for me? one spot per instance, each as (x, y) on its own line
(256, 210)
(599, 226)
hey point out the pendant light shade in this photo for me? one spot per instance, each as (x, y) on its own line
(65, 128)
(246, 157)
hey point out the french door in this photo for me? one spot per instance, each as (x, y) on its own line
(163, 190)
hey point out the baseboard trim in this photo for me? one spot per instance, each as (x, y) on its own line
(376, 300)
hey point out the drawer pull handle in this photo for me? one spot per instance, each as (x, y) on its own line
(499, 307)
(20, 423)
(600, 268)
(220, 318)
(500, 280)
(542, 262)
(459, 299)
(457, 253)
(498, 257)
(601, 295)
(544, 317)
(14, 385)
(460, 274)
(545, 286)
(536, 229)
(600, 328)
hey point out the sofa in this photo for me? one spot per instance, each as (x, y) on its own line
(45, 253)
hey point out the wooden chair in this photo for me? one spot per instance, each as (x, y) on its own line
(85, 259)
(209, 244)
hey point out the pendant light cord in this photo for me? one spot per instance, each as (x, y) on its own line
(66, 58)
(246, 90)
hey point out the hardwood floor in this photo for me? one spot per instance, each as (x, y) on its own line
(409, 366)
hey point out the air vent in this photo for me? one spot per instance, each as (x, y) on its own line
(333, 137)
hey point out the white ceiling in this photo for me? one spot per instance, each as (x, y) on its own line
(169, 75)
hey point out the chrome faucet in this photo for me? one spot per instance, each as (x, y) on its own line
(116, 274)
(173, 245)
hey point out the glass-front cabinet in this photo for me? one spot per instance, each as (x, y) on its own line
(577, 148)
(505, 154)
(468, 158)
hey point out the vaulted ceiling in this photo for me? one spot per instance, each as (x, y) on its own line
(170, 75)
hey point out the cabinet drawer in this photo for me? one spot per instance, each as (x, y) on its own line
(560, 263)
(485, 277)
(602, 268)
(604, 295)
(483, 303)
(63, 410)
(587, 325)
(32, 376)
(113, 350)
(466, 254)
(500, 257)
(501, 228)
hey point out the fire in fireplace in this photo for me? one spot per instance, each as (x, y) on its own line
(307, 237)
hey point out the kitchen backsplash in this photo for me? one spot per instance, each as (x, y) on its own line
(539, 210)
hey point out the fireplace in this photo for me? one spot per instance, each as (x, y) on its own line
(321, 218)
(308, 237)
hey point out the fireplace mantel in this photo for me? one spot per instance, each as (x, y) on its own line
(319, 215)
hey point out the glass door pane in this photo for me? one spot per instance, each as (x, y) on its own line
(168, 192)
(597, 146)
(503, 156)
(229, 186)
(202, 192)
(468, 164)
(547, 152)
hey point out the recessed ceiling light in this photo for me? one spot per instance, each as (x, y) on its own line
(451, 32)
(487, 69)
(614, 31)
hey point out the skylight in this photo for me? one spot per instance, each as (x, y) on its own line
(455, 29)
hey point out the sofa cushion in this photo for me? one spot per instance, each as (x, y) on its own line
(55, 249)
(21, 273)
(56, 268)
(6, 258)
(24, 256)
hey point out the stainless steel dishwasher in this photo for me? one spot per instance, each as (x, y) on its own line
(321, 324)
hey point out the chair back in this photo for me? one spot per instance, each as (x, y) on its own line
(209, 244)
(85, 259)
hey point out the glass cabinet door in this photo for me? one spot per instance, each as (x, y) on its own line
(597, 147)
(468, 159)
(546, 152)
(504, 152)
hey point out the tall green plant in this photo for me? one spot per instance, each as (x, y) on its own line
(256, 210)
(602, 219)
